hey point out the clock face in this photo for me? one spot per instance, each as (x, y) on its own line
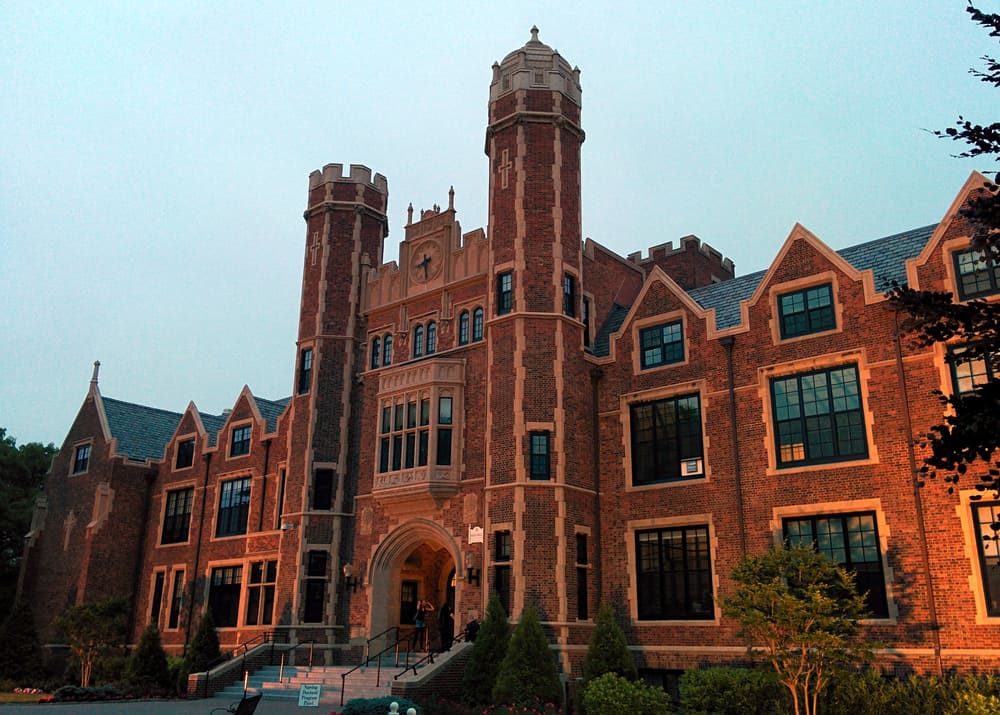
(425, 261)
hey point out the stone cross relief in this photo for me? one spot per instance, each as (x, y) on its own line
(314, 248)
(505, 167)
(424, 263)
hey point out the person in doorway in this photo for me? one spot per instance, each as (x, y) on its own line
(420, 622)
(446, 626)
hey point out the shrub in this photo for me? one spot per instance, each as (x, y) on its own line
(611, 694)
(528, 674)
(147, 671)
(970, 703)
(488, 652)
(204, 647)
(608, 649)
(378, 706)
(71, 693)
(731, 691)
(21, 655)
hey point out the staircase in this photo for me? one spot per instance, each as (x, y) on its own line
(361, 683)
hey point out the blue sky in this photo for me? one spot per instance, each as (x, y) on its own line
(154, 156)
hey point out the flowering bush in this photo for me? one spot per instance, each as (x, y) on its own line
(453, 707)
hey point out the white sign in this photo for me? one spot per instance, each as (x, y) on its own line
(309, 695)
(475, 534)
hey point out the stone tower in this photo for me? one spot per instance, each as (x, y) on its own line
(345, 226)
(539, 479)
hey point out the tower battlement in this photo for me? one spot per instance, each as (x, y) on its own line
(692, 264)
(357, 174)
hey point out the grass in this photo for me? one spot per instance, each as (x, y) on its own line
(20, 697)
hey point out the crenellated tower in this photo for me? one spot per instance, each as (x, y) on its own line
(540, 475)
(345, 227)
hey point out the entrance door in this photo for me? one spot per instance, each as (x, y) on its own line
(407, 602)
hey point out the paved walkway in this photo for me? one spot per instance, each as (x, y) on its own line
(160, 707)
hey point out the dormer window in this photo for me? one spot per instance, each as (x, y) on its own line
(662, 344)
(81, 458)
(185, 454)
(240, 443)
(807, 311)
(978, 274)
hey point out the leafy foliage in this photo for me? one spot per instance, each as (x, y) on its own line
(22, 472)
(608, 649)
(488, 652)
(204, 647)
(732, 691)
(91, 630)
(378, 706)
(611, 694)
(802, 609)
(970, 431)
(21, 654)
(529, 674)
(147, 669)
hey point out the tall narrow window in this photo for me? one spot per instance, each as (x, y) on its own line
(662, 344)
(582, 609)
(505, 292)
(305, 370)
(376, 353)
(323, 489)
(987, 521)
(477, 324)
(176, 600)
(418, 341)
(81, 458)
(234, 507)
(432, 337)
(569, 295)
(818, 417)
(666, 440)
(315, 596)
(177, 516)
(260, 593)
(240, 443)
(502, 551)
(279, 507)
(586, 321)
(185, 454)
(851, 540)
(540, 462)
(463, 328)
(154, 612)
(387, 349)
(675, 574)
(444, 431)
(224, 595)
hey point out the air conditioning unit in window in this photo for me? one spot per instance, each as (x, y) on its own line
(692, 468)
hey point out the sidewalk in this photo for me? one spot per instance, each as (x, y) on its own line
(161, 707)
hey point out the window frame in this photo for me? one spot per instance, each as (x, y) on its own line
(387, 350)
(261, 584)
(478, 318)
(230, 580)
(181, 449)
(81, 458)
(505, 292)
(818, 319)
(463, 328)
(667, 349)
(802, 419)
(688, 579)
(990, 267)
(375, 353)
(418, 341)
(990, 586)
(975, 379)
(171, 532)
(232, 519)
(305, 371)
(239, 439)
(431, 341)
(658, 444)
(540, 455)
(569, 295)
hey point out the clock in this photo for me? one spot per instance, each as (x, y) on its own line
(425, 261)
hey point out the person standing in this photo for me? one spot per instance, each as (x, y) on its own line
(446, 626)
(420, 622)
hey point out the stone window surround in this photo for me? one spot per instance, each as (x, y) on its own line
(191, 436)
(218, 482)
(173, 487)
(777, 290)
(970, 548)
(652, 321)
(89, 455)
(244, 583)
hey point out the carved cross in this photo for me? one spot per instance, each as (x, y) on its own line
(314, 248)
(424, 263)
(505, 167)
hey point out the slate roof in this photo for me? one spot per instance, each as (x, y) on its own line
(270, 410)
(142, 432)
(886, 257)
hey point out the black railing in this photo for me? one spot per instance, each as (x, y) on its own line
(281, 669)
(408, 639)
(428, 657)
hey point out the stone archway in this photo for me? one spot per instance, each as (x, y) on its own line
(417, 559)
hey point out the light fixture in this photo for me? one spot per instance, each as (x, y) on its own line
(471, 572)
(350, 582)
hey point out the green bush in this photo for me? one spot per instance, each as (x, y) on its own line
(528, 674)
(608, 650)
(146, 672)
(21, 655)
(488, 652)
(204, 647)
(611, 694)
(378, 706)
(732, 691)
(870, 693)
(968, 703)
(72, 693)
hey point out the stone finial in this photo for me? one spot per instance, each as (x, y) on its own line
(534, 33)
(451, 198)
(409, 214)
(97, 370)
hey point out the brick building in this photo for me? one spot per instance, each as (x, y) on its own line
(522, 410)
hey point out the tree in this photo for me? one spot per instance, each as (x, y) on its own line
(802, 610)
(91, 629)
(488, 652)
(608, 649)
(204, 648)
(971, 428)
(528, 674)
(147, 666)
(21, 655)
(22, 472)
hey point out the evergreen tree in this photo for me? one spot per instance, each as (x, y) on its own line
(147, 666)
(529, 675)
(608, 649)
(204, 647)
(487, 653)
(21, 654)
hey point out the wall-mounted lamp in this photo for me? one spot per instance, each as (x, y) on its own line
(471, 572)
(288, 525)
(350, 581)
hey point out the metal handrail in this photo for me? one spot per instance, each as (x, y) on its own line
(378, 658)
(281, 668)
(265, 637)
(368, 644)
(428, 658)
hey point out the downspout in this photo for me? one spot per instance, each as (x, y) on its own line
(917, 501)
(137, 579)
(595, 439)
(263, 485)
(727, 342)
(197, 551)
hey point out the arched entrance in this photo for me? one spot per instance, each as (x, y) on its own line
(415, 561)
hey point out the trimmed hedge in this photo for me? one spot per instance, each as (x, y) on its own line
(611, 694)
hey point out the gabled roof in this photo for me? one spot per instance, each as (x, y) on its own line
(142, 432)
(602, 341)
(271, 410)
(886, 257)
